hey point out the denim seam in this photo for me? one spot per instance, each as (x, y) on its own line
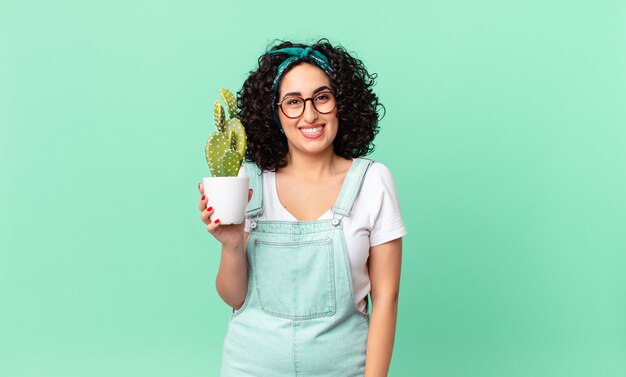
(294, 324)
(293, 243)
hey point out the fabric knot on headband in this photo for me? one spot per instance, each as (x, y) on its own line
(296, 54)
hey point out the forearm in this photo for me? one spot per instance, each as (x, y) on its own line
(232, 276)
(382, 330)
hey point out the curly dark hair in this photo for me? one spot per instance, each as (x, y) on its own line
(357, 106)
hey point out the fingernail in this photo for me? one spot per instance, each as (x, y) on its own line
(210, 209)
(217, 221)
(198, 186)
(202, 197)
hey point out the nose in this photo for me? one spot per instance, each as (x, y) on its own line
(309, 113)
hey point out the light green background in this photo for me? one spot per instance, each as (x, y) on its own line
(505, 131)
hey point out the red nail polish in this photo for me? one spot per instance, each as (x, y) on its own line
(202, 197)
(217, 221)
(210, 209)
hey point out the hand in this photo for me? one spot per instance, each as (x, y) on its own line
(230, 236)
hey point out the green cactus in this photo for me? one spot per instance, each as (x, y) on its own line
(226, 147)
(218, 114)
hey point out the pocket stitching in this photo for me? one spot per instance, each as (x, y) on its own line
(327, 243)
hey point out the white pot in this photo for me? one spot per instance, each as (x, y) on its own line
(228, 196)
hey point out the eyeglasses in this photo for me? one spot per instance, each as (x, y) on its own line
(293, 106)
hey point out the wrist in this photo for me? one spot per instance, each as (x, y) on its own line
(233, 247)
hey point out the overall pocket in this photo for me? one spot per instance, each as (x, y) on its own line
(295, 280)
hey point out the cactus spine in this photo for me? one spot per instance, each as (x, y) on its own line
(226, 147)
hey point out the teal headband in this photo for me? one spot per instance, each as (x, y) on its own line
(296, 54)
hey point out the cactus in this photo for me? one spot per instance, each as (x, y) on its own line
(226, 147)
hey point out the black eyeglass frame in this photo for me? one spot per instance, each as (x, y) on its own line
(280, 104)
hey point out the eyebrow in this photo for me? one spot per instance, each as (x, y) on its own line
(320, 89)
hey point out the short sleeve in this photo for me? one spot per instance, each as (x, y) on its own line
(388, 224)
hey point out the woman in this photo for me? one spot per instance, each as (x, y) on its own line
(323, 226)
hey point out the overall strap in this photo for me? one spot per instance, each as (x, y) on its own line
(351, 186)
(255, 206)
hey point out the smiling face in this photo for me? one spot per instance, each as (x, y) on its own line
(312, 132)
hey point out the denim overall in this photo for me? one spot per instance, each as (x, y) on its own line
(299, 317)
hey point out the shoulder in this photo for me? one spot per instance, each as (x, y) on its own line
(379, 168)
(378, 185)
(378, 173)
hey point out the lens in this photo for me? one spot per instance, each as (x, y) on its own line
(293, 106)
(324, 102)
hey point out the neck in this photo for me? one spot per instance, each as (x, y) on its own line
(311, 166)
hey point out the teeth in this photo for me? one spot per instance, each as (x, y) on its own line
(311, 131)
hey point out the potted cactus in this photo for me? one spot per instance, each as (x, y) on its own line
(224, 151)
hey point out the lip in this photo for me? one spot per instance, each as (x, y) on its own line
(315, 135)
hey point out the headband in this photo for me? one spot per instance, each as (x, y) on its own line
(296, 54)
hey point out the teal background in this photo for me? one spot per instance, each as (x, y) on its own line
(505, 131)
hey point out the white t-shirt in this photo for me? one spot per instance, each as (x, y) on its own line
(375, 218)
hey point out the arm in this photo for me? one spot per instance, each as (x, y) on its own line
(384, 269)
(232, 276)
